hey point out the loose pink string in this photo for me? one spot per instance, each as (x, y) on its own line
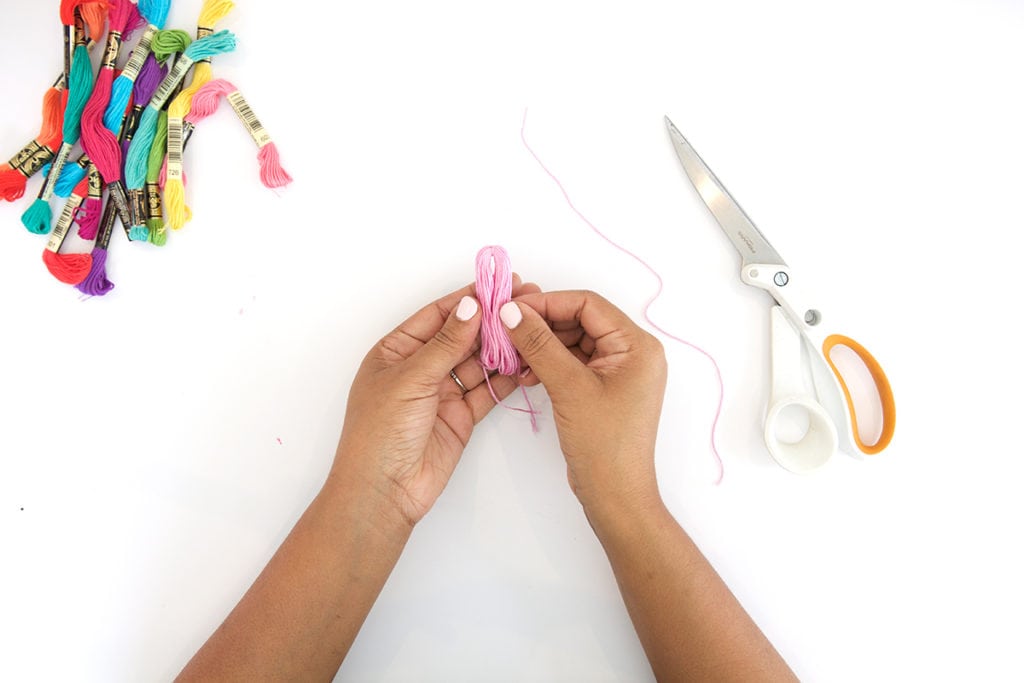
(647, 317)
(497, 353)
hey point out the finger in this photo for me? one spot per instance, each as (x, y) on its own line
(413, 333)
(452, 344)
(470, 372)
(553, 363)
(605, 323)
(525, 288)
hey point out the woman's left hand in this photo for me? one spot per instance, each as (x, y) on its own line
(407, 420)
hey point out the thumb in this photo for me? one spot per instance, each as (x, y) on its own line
(554, 364)
(453, 343)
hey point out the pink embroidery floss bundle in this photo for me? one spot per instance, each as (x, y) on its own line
(497, 353)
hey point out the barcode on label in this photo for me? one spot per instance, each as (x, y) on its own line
(174, 147)
(139, 54)
(171, 82)
(252, 124)
(60, 230)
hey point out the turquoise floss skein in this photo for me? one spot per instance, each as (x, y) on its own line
(138, 153)
(155, 12)
(38, 216)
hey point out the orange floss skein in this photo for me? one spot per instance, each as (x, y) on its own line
(15, 173)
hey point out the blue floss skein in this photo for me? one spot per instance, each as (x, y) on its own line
(155, 12)
(69, 178)
(137, 162)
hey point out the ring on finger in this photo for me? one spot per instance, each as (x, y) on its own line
(458, 382)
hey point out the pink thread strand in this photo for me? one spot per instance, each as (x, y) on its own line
(647, 317)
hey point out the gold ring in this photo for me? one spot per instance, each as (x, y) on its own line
(458, 382)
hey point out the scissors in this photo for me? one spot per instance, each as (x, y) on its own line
(823, 407)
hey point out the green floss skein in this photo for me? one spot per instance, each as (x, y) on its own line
(168, 42)
(38, 216)
(155, 224)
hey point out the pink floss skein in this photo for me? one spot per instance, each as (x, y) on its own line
(494, 290)
(205, 102)
(497, 353)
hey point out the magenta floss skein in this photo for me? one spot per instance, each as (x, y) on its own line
(497, 353)
(98, 140)
(88, 217)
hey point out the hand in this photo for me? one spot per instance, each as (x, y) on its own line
(606, 379)
(407, 421)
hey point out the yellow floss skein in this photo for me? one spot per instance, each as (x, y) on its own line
(175, 211)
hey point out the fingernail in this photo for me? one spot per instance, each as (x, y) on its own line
(511, 315)
(467, 308)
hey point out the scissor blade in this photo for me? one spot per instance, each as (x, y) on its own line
(740, 230)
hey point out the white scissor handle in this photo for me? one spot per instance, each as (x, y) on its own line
(799, 433)
(832, 389)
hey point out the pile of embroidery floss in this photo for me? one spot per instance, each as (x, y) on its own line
(130, 109)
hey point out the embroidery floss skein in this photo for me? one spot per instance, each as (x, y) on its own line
(205, 103)
(69, 268)
(497, 353)
(150, 77)
(155, 12)
(38, 216)
(210, 15)
(89, 215)
(94, 14)
(137, 161)
(26, 163)
(154, 207)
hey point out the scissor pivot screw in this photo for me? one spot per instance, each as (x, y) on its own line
(781, 279)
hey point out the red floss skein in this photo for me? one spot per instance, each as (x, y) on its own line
(69, 268)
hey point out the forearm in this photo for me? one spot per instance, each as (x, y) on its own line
(299, 618)
(689, 623)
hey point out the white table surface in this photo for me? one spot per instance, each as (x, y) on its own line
(156, 445)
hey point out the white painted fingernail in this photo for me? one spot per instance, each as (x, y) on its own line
(511, 315)
(467, 308)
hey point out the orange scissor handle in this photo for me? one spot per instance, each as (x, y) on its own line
(881, 384)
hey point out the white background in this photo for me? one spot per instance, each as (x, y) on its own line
(156, 445)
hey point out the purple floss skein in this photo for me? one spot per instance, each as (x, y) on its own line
(148, 81)
(96, 282)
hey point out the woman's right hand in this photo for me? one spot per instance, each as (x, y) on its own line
(606, 379)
